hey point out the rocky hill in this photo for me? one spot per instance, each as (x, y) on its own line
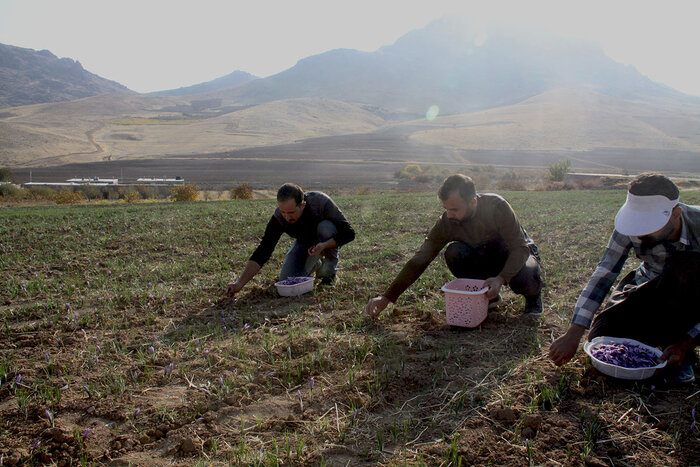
(457, 67)
(225, 82)
(33, 77)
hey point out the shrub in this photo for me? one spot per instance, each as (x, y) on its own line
(185, 193)
(12, 192)
(558, 170)
(364, 190)
(6, 175)
(131, 197)
(243, 191)
(68, 197)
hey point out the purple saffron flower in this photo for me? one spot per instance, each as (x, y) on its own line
(221, 381)
(99, 349)
(19, 378)
(151, 349)
(246, 326)
(137, 412)
(49, 417)
(37, 444)
(206, 353)
(311, 384)
(87, 390)
(84, 333)
(86, 433)
(299, 395)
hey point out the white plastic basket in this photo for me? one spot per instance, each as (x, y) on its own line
(466, 304)
(297, 289)
(618, 371)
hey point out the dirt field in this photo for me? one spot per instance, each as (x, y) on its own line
(119, 348)
(351, 161)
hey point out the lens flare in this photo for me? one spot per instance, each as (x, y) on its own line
(432, 112)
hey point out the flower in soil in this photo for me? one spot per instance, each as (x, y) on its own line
(221, 381)
(86, 433)
(36, 445)
(87, 390)
(18, 379)
(137, 412)
(49, 417)
(246, 326)
(151, 349)
(311, 384)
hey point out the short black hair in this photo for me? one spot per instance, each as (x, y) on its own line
(462, 183)
(290, 191)
(649, 184)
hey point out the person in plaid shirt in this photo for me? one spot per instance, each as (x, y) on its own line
(657, 303)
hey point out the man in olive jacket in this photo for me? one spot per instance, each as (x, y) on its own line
(487, 242)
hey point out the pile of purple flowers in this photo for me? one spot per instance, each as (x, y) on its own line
(294, 281)
(625, 355)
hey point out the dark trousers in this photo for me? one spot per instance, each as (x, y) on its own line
(487, 260)
(659, 312)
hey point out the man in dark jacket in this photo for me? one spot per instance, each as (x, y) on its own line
(318, 226)
(487, 242)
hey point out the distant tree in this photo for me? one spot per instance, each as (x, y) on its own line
(185, 193)
(243, 191)
(558, 170)
(6, 175)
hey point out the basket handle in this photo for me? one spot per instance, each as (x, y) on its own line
(464, 292)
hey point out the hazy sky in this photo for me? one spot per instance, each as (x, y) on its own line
(150, 45)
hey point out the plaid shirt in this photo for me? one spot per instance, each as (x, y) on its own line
(614, 257)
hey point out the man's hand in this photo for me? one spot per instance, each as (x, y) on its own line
(563, 349)
(675, 353)
(376, 305)
(233, 289)
(494, 284)
(317, 249)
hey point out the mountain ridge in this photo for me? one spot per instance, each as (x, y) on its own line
(30, 77)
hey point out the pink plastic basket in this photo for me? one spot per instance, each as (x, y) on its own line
(466, 302)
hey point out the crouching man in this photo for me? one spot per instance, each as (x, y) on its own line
(318, 226)
(656, 303)
(487, 242)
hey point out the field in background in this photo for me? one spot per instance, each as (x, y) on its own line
(117, 343)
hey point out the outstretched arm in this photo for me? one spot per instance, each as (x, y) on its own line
(251, 269)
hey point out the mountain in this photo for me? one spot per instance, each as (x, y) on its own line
(228, 81)
(32, 77)
(455, 66)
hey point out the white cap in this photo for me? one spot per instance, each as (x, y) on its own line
(643, 215)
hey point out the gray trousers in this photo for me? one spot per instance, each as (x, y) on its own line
(297, 262)
(487, 260)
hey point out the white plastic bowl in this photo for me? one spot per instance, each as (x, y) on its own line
(296, 289)
(618, 371)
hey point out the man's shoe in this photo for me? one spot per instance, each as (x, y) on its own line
(682, 374)
(533, 305)
(493, 303)
(329, 280)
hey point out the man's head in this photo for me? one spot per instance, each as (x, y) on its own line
(651, 211)
(458, 196)
(290, 199)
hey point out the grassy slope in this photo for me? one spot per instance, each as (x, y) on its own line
(570, 120)
(559, 120)
(144, 282)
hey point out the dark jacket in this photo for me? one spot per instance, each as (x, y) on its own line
(319, 207)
